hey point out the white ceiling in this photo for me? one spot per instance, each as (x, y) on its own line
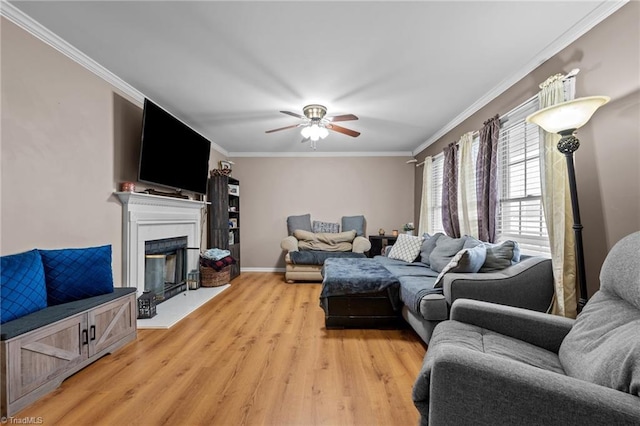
(409, 70)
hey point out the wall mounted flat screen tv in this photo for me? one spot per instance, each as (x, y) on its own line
(172, 154)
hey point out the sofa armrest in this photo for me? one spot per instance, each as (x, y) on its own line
(289, 243)
(542, 330)
(469, 388)
(361, 244)
(527, 284)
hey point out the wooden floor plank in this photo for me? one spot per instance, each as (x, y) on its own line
(258, 354)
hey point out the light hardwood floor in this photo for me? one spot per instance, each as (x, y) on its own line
(258, 354)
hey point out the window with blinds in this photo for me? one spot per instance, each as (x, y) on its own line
(435, 215)
(521, 216)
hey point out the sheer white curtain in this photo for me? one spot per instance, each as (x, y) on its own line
(467, 201)
(425, 224)
(556, 202)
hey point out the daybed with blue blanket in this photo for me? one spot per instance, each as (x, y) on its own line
(436, 273)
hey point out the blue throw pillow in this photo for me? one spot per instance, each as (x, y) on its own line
(501, 256)
(22, 285)
(302, 222)
(353, 223)
(78, 273)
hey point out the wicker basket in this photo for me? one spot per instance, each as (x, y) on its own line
(209, 277)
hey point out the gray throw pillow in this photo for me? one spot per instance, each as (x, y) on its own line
(467, 260)
(446, 248)
(471, 242)
(501, 256)
(353, 223)
(427, 247)
(302, 222)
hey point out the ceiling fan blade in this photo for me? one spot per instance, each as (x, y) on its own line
(293, 114)
(345, 117)
(282, 128)
(343, 130)
(305, 140)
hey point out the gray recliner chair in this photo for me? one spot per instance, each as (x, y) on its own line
(497, 365)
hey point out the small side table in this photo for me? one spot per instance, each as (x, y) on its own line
(378, 243)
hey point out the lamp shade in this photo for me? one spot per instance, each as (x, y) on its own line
(314, 132)
(568, 115)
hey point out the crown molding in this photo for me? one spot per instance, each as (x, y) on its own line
(600, 13)
(42, 33)
(33, 27)
(316, 154)
(605, 9)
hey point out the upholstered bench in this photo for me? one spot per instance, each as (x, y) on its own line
(59, 313)
(359, 293)
(42, 349)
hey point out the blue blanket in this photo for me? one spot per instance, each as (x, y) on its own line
(416, 280)
(358, 276)
(314, 257)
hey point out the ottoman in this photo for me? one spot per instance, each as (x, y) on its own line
(360, 293)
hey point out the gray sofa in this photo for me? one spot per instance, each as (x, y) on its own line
(503, 276)
(499, 365)
(527, 284)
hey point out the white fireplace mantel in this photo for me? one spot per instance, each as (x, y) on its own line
(148, 217)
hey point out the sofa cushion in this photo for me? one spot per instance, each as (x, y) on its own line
(446, 248)
(455, 334)
(501, 255)
(406, 247)
(341, 241)
(302, 222)
(56, 313)
(77, 273)
(413, 289)
(427, 247)
(326, 227)
(603, 346)
(353, 223)
(467, 260)
(22, 285)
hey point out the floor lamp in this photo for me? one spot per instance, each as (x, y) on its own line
(565, 118)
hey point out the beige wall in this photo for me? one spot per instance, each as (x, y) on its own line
(68, 139)
(380, 188)
(608, 161)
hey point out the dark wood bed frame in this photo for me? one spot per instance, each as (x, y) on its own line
(363, 310)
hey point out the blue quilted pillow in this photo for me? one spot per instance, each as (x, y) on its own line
(22, 285)
(78, 273)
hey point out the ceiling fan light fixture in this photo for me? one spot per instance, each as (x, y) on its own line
(314, 132)
(315, 124)
(315, 111)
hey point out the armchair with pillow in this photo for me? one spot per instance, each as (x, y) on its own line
(308, 245)
(499, 365)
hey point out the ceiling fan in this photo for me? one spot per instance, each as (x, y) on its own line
(316, 124)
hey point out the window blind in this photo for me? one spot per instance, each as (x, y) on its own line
(521, 216)
(436, 193)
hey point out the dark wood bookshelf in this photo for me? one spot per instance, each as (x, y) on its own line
(224, 208)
